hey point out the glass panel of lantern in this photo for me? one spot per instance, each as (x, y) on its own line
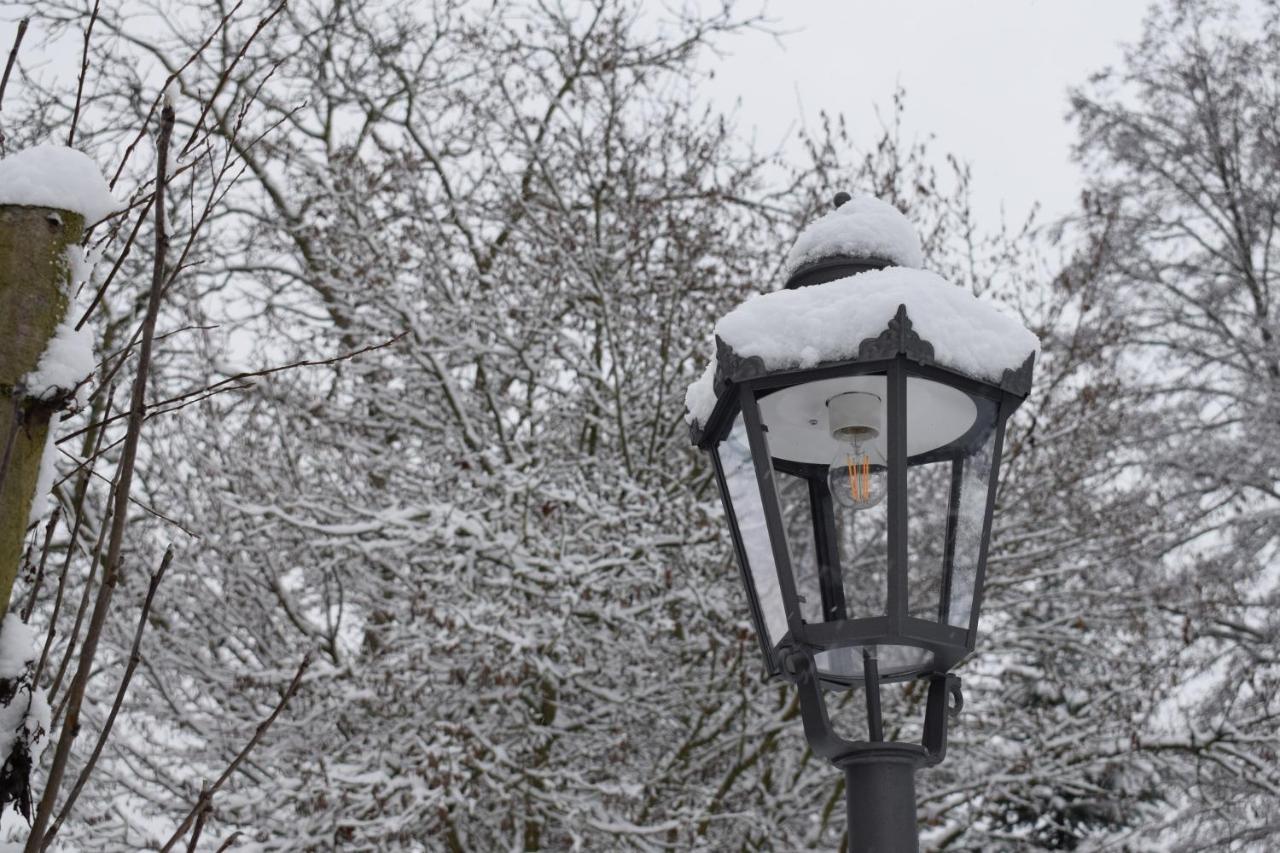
(952, 436)
(740, 488)
(828, 447)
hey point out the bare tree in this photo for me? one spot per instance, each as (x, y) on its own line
(1180, 211)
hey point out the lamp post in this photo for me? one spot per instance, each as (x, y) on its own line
(854, 420)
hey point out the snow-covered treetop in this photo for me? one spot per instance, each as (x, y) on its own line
(56, 176)
(791, 329)
(864, 227)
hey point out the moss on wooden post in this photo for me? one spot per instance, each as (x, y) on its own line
(34, 280)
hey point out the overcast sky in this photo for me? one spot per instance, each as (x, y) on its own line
(988, 79)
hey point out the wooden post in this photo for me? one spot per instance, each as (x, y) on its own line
(34, 280)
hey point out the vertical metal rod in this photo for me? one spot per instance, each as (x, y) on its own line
(949, 547)
(826, 543)
(896, 535)
(871, 678)
(985, 541)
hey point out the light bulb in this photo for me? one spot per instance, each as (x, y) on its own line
(856, 477)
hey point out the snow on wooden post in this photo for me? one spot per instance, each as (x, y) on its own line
(35, 278)
(47, 194)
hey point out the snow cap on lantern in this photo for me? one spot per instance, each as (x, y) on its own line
(862, 232)
(854, 277)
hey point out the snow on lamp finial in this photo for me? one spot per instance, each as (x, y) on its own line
(859, 233)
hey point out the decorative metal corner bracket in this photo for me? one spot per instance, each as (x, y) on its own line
(899, 338)
(733, 368)
(1019, 381)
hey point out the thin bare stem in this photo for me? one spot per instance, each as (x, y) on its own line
(8, 68)
(231, 839)
(206, 796)
(173, 75)
(44, 557)
(120, 258)
(204, 814)
(228, 383)
(226, 75)
(84, 72)
(135, 657)
(92, 445)
(111, 571)
(95, 559)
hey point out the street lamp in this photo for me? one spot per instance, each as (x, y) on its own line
(854, 420)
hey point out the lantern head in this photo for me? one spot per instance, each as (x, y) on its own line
(854, 420)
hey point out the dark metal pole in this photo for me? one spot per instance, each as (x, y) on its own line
(880, 795)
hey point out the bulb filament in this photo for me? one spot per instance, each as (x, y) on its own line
(859, 478)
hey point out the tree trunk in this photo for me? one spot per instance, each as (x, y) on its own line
(34, 279)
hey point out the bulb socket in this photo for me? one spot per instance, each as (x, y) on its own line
(855, 416)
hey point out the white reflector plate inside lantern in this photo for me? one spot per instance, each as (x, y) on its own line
(799, 431)
(892, 661)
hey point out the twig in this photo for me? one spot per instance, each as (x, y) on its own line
(173, 75)
(82, 491)
(44, 557)
(143, 205)
(194, 400)
(208, 390)
(204, 814)
(207, 796)
(116, 353)
(111, 571)
(135, 656)
(226, 74)
(120, 258)
(8, 67)
(95, 559)
(84, 72)
(231, 839)
(13, 57)
(145, 507)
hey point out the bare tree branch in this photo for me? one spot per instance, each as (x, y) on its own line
(135, 657)
(111, 572)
